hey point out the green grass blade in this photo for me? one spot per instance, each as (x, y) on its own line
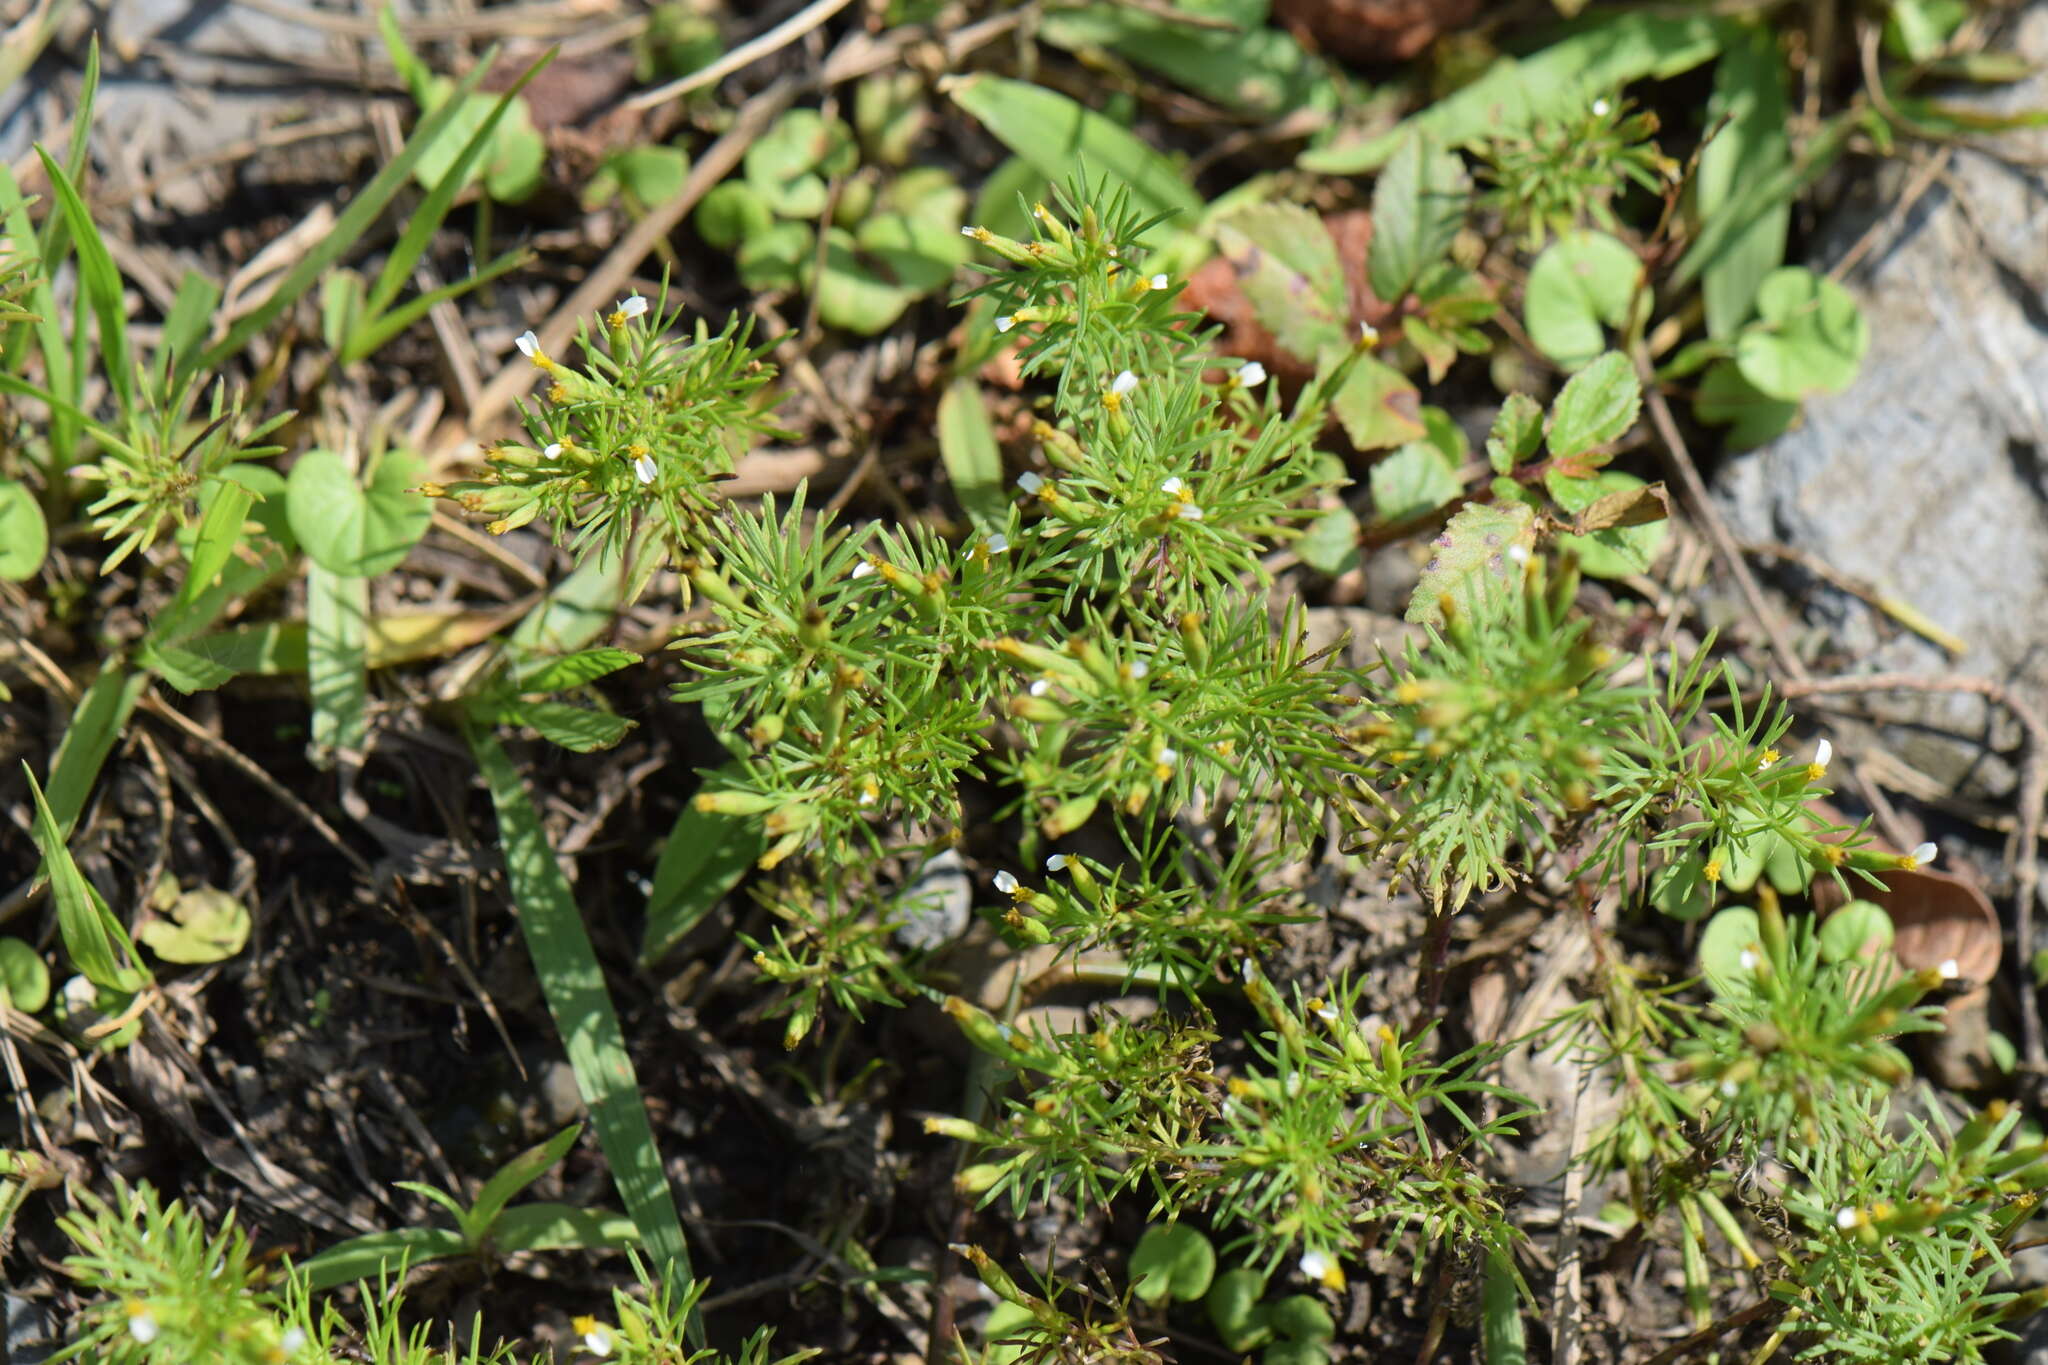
(337, 657)
(967, 444)
(366, 338)
(184, 327)
(563, 1227)
(97, 944)
(1501, 1313)
(100, 281)
(361, 212)
(426, 219)
(220, 531)
(514, 1176)
(573, 983)
(102, 714)
(704, 858)
(363, 1258)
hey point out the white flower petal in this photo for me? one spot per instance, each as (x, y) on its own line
(1168, 756)
(142, 1326)
(1159, 282)
(644, 470)
(1172, 485)
(1188, 511)
(996, 543)
(1925, 853)
(1600, 108)
(1039, 687)
(1748, 960)
(1123, 383)
(1139, 668)
(1005, 882)
(968, 229)
(1056, 863)
(1005, 323)
(293, 1341)
(598, 1342)
(633, 306)
(553, 450)
(1846, 1218)
(1030, 482)
(529, 344)
(1314, 1264)
(1950, 969)
(862, 569)
(1823, 754)
(1251, 374)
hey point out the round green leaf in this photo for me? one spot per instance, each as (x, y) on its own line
(775, 256)
(24, 535)
(1728, 937)
(1302, 1317)
(24, 976)
(1295, 1352)
(1582, 280)
(1680, 888)
(732, 213)
(1810, 337)
(643, 175)
(1233, 1304)
(1752, 416)
(1174, 1259)
(791, 162)
(205, 925)
(353, 530)
(1788, 871)
(853, 295)
(1859, 929)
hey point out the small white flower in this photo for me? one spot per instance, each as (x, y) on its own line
(862, 569)
(633, 306)
(598, 1341)
(1005, 883)
(867, 796)
(1172, 485)
(1368, 334)
(293, 1341)
(643, 469)
(1123, 383)
(1056, 863)
(141, 1323)
(1925, 853)
(1823, 754)
(1167, 757)
(1188, 511)
(1846, 1218)
(1950, 969)
(996, 543)
(1159, 282)
(1040, 686)
(529, 344)
(1314, 1264)
(968, 229)
(1005, 323)
(1244, 969)
(552, 451)
(1728, 1089)
(1600, 108)
(1111, 248)
(1326, 1012)
(1030, 482)
(1251, 374)
(1748, 960)
(1139, 668)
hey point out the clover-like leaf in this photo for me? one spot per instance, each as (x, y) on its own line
(1810, 337)
(1729, 950)
(1173, 1259)
(205, 925)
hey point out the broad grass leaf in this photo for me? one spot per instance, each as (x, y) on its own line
(974, 462)
(1749, 92)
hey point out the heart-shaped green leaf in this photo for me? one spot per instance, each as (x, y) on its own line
(351, 529)
(1581, 281)
(1174, 1259)
(1810, 337)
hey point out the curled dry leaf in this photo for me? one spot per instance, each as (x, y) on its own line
(1214, 289)
(1371, 32)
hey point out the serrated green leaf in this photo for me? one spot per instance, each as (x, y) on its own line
(24, 534)
(1378, 406)
(1475, 562)
(351, 528)
(1517, 431)
(581, 729)
(574, 670)
(1810, 336)
(1749, 93)
(1582, 280)
(1598, 406)
(1287, 267)
(1414, 480)
(185, 669)
(1418, 205)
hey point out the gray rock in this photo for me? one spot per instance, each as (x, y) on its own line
(1929, 477)
(935, 909)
